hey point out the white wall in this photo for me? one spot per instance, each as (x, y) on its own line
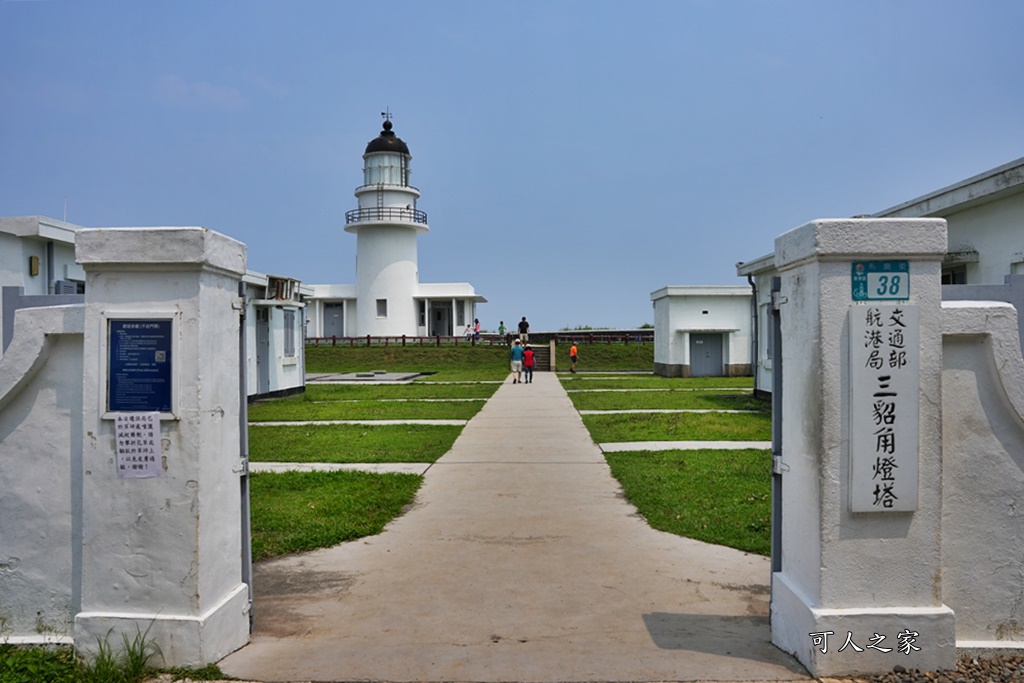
(386, 269)
(983, 473)
(40, 469)
(682, 311)
(996, 231)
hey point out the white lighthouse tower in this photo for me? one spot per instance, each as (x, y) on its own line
(386, 225)
(388, 299)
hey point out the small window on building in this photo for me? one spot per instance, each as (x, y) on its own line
(423, 313)
(460, 313)
(289, 334)
(382, 308)
(954, 276)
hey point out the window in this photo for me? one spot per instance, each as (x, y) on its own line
(460, 313)
(423, 313)
(954, 276)
(289, 334)
(382, 308)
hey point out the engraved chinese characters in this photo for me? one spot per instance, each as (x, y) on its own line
(884, 374)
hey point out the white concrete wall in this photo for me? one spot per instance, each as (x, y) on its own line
(164, 553)
(996, 231)
(983, 473)
(877, 572)
(40, 474)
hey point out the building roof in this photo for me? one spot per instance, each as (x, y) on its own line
(701, 291)
(41, 227)
(985, 187)
(387, 141)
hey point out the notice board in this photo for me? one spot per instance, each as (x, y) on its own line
(139, 365)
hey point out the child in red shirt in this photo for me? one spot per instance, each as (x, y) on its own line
(528, 363)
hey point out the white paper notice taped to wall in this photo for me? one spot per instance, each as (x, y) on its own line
(137, 440)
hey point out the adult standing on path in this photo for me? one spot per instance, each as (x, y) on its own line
(516, 356)
(524, 330)
(574, 355)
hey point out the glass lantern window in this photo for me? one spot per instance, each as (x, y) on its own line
(387, 169)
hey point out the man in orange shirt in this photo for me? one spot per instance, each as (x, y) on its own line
(573, 356)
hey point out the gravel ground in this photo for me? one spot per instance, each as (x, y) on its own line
(968, 670)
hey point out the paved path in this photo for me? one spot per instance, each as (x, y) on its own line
(520, 561)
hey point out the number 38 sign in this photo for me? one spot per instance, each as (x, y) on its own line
(880, 280)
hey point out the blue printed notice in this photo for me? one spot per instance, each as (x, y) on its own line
(139, 367)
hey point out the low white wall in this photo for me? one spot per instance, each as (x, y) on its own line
(40, 469)
(983, 473)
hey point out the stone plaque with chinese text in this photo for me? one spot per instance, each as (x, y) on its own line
(884, 379)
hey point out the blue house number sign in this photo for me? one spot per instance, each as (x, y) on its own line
(139, 367)
(880, 280)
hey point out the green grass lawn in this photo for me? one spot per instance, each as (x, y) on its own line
(631, 381)
(450, 363)
(297, 511)
(721, 497)
(350, 392)
(292, 410)
(350, 443)
(685, 400)
(717, 496)
(679, 427)
(601, 356)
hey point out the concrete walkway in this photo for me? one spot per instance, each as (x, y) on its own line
(520, 561)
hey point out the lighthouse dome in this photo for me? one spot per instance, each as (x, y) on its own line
(387, 141)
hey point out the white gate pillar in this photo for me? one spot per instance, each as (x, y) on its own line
(162, 553)
(861, 447)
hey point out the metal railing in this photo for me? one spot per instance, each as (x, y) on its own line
(385, 213)
(406, 340)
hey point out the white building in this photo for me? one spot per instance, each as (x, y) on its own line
(387, 299)
(37, 261)
(38, 268)
(702, 331)
(985, 227)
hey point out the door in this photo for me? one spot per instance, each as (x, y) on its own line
(334, 320)
(706, 355)
(441, 319)
(262, 350)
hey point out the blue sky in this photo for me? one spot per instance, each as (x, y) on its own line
(573, 156)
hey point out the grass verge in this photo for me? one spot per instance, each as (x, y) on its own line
(679, 427)
(369, 392)
(601, 356)
(351, 443)
(721, 497)
(582, 381)
(449, 362)
(290, 409)
(677, 400)
(297, 511)
(132, 663)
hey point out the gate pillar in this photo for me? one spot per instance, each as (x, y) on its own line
(160, 537)
(861, 447)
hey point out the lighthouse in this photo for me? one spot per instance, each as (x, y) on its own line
(388, 299)
(386, 226)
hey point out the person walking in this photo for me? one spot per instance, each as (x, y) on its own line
(524, 330)
(574, 355)
(516, 356)
(528, 363)
(501, 331)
